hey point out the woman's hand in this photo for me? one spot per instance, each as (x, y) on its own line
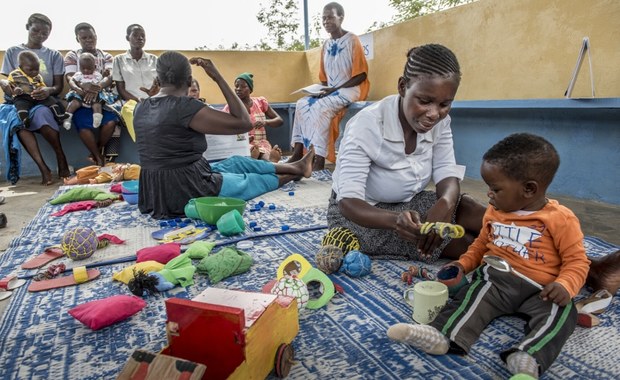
(6, 86)
(41, 93)
(408, 225)
(260, 121)
(327, 91)
(153, 90)
(439, 212)
(207, 65)
(90, 92)
(91, 87)
(555, 293)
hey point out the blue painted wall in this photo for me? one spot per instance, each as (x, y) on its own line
(585, 132)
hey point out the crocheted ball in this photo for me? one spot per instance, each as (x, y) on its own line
(342, 238)
(79, 243)
(293, 287)
(329, 258)
(356, 264)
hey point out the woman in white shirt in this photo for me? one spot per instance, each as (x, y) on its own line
(388, 155)
(135, 70)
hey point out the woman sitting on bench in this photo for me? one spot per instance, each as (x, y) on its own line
(344, 73)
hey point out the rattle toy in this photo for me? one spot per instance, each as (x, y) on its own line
(444, 230)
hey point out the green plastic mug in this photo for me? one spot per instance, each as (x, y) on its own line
(190, 209)
(231, 223)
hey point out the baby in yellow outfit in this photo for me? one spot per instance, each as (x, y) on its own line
(111, 172)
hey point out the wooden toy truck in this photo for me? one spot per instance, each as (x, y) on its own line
(236, 334)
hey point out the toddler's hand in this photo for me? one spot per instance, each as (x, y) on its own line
(555, 293)
(40, 93)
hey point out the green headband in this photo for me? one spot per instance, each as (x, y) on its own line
(247, 77)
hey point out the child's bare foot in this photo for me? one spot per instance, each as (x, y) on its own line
(70, 180)
(254, 152)
(605, 273)
(276, 154)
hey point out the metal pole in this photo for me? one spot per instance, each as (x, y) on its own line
(306, 26)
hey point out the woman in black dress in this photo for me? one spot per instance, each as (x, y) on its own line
(170, 128)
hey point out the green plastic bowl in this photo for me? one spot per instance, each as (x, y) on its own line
(210, 209)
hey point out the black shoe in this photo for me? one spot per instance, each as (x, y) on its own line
(3, 220)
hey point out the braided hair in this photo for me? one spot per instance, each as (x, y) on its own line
(174, 69)
(431, 60)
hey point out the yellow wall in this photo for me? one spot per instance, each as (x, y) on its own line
(511, 49)
(508, 49)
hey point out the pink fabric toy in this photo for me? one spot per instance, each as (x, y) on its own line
(161, 253)
(76, 206)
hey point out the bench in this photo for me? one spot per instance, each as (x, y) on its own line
(585, 132)
(282, 136)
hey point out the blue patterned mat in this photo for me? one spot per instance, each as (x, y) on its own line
(344, 340)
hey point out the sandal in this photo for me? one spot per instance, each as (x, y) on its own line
(49, 254)
(596, 303)
(187, 237)
(80, 275)
(9, 283)
(587, 320)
